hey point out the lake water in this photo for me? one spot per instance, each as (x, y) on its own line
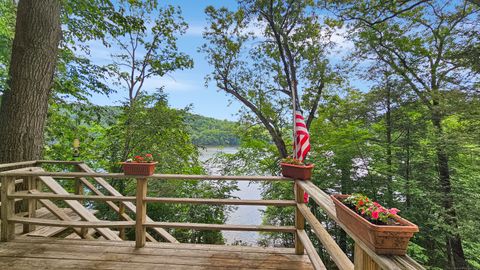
(243, 215)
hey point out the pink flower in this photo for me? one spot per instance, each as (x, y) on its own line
(375, 214)
(148, 155)
(393, 211)
(377, 204)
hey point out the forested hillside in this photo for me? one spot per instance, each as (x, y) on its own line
(211, 131)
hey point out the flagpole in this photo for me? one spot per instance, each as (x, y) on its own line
(294, 122)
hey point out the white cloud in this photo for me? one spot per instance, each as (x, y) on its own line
(195, 30)
(170, 84)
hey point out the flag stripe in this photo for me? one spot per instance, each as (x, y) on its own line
(302, 137)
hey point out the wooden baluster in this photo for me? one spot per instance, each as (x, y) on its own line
(140, 230)
(363, 261)
(121, 212)
(31, 203)
(8, 209)
(299, 219)
(78, 190)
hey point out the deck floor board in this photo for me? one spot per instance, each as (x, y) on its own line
(49, 253)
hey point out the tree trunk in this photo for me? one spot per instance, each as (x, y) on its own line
(455, 256)
(407, 171)
(388, 124)
(23, 111)
(345, 189)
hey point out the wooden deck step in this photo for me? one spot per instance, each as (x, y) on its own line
(47, 253)
(128, 205)
(48, 231)
(76, 206)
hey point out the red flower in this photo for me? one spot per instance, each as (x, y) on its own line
(138, 158)
(148, 155)
(360, 203)
(375, 214)
(305, 197)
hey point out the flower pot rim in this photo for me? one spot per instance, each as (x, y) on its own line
(309, 166)
(141, 163)
(407, 226)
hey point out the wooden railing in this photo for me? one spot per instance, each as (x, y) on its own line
(364, 258)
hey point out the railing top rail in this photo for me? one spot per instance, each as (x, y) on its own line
(65, 162)
(153, 177)
(17, 164)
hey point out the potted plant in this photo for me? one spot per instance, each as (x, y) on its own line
(139, 165)
(381, 229)
(296, 169)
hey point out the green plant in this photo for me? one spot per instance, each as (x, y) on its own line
(294, 161)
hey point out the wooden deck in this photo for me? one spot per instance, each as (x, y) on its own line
(49, 253)
(37, 191)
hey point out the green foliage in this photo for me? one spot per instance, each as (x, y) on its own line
(208, 131)
(7, 31)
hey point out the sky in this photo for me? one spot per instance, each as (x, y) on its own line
(184, 87)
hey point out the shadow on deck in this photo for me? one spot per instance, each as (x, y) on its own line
(50, 253)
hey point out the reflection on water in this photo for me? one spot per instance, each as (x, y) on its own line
(243, 215)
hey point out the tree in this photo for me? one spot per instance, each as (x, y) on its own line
(420, 46)
(25, 102)
(262, 71)
(147, 49)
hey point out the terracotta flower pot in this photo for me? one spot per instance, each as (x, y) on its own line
(383, 239)
(137, 168)
(302, 172)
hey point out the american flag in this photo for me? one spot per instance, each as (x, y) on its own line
(302, 138)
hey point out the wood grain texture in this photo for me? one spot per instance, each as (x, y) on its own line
(141, 211)
(74, 224)
(45, 253)
(335, 252)
(8, 207)
(311, 251)
(220, 227)
(299, 219)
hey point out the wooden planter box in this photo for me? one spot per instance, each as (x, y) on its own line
(137, 168)
(302, 172)
(383, 239)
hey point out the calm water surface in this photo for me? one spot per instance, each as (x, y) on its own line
(243, 215)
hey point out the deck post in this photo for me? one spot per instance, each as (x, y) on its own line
(31, 204)
(141, 215)
(8, 209)
(299, 219)
(363, 261)
(121, 212)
